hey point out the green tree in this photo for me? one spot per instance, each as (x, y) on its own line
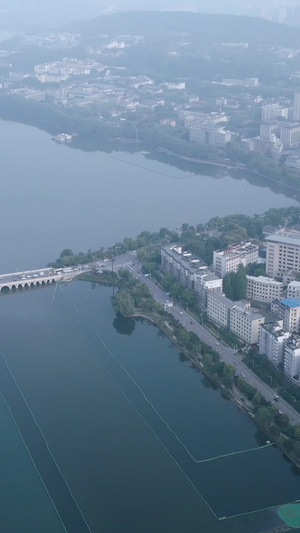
(228, 287)
(123, 303)
(240, 288)
(264, 416)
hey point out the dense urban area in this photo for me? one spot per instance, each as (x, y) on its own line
(240, 278)
(202, 91)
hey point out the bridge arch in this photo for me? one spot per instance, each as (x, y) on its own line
(5, 289)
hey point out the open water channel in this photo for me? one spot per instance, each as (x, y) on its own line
(85, 395)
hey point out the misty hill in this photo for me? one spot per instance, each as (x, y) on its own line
(201, 29)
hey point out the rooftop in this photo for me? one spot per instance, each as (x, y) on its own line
(291, 302)
(264, 279)
(285, 236)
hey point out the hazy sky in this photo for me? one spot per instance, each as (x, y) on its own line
(18, 13)
(15, 14)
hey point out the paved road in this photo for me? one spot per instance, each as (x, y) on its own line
(226, 353)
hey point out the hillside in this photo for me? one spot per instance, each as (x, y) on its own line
(205, 29)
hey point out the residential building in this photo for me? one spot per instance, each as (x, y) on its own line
(218, 308)
(283, 252)
(182, 265)
(292, 358)
(273, 111)
(238, 317)
(206, 283)
(268, 130)
(245, 323)
(272, 341)
(290, 135)
(288, 310)
(293, 289)
(225, 261)
(296, 106)
(263, 289)
(209, 135)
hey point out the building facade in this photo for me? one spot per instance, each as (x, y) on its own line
(288, 310)
(272, 342)
(238, 317)
(206, 283)
(290, 135)
(210, 135)
(293, 289)
(263, 289)
(292, 358)
(182, 265)
(225, 261)
(283, 252)
(296, 106)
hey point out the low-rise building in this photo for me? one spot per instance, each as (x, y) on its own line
(225, 261)
(272, 341)
(263, 289)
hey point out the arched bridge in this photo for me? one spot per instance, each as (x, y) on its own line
(29, 279)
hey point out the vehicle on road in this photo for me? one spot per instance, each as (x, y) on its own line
(180, 312)
(217, 343)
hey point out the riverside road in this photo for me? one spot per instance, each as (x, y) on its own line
(226, 353)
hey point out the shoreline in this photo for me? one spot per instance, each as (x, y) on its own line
(131, 142)
(231, 395)
(227, 166)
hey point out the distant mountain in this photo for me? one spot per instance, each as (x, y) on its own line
(202, 28)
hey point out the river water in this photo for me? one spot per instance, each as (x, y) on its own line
(104, 427)
(54, 197)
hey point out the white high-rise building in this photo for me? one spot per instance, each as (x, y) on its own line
(292, 358)
(225, 261)
(283, 252)
(272, 342)
(296, 107)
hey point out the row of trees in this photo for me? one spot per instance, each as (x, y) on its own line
(264, 369)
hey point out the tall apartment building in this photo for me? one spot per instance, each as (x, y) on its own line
(206, 283)
(209, 135)
(296, 106)
(290, 135)
(293, 289)
(238, 317)
(288, 310)
(272, 341)
(268, 130)
(225, 261)
(283, 252)
(273, 111)
(246, 323)
(263, 289)
(292, 358)
(182, 265)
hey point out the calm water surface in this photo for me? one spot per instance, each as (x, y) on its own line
(94, 429)
(126, 469)
(55, 197)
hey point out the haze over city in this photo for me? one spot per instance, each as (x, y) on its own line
(150, 266)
